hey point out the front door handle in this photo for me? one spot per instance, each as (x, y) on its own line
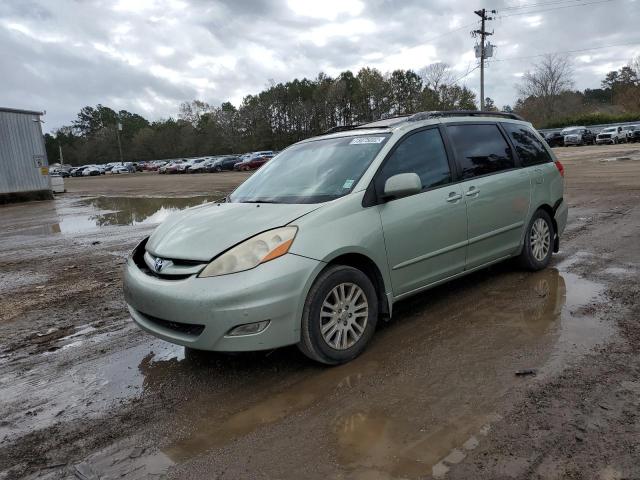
(473, 191)
(454, 197)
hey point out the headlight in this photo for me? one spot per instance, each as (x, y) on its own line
(252, 252)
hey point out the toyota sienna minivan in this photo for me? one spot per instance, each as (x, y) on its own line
(318, 245)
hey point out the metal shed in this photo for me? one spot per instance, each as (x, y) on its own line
(24, 172)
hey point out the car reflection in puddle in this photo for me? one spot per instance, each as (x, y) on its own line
(424, 393)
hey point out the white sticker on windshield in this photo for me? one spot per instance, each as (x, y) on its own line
(365, 140)
(348, 184)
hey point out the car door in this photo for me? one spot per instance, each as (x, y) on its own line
(496, 191)
(425, 234)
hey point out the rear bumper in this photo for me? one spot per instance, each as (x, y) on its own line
(561, 214)
(174, 310)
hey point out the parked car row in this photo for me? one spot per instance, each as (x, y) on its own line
(219, 163)
(246, 162)
(584, 136)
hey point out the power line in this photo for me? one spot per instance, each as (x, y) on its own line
(565, 51)
(554, 8)
(540, 4)
(469, 72)
(457, 29)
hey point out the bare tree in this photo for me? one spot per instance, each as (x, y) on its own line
(436, 75)
(550, 77)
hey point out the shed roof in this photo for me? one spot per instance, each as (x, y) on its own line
(18, 110)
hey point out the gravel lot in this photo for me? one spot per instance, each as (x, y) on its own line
(85, 394)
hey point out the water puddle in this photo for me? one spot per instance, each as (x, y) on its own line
(70, 216)
(89, 386)
(426, 393)
(428, 389)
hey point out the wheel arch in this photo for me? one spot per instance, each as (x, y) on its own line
(550, 210)
(366, 265)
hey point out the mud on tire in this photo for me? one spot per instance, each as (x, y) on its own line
(538, 242)
(319, 313)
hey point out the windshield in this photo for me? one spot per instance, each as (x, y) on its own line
(312, 172)
(610, 129)
(570, 131)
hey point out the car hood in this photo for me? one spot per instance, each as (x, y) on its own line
(201, 233)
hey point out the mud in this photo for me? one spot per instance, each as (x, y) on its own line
(86, 394)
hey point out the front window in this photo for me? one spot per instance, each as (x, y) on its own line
(312, 172)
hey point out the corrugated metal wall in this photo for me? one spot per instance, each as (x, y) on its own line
(21, 152)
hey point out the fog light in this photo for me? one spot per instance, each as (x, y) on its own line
(248, 329)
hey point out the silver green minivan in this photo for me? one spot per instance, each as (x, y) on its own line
(318, 245)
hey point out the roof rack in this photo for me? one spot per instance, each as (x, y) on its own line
(416, 117)
(339, 128)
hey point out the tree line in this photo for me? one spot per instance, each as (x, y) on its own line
(284, 113)
(278, 116)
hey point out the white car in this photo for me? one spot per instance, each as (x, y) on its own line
(611, 135)
(120, 169)
(91, 171)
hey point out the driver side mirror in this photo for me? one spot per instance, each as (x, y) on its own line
(402, 185)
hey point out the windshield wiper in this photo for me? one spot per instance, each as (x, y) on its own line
(259, 201)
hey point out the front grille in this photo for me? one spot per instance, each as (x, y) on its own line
(193, 329)
(138, 259)
(605, 135)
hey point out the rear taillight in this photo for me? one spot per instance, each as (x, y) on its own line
(560, 168)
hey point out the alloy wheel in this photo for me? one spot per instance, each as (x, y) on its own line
(343, 316)
(540, 239)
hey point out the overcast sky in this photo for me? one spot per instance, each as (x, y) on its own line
(147, 56)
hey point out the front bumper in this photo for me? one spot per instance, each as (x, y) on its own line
(600, 141)
(274, 291)
(572, 141)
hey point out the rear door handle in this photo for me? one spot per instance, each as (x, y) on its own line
(473, 191)
(539, 175)
(454, 197)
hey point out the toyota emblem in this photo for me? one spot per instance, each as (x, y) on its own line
(158, 264)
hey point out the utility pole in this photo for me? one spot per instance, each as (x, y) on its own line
(483, 51)
(118, 129)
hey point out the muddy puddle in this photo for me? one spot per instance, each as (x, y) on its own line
(425, 394)
(91, 383)
(69, 216)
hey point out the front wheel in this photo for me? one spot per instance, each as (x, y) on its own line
(538, 242)
(340, 316)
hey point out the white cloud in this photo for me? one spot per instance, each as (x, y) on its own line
(326, 9)
(150, 55)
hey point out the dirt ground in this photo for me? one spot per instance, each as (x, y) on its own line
(85, 394)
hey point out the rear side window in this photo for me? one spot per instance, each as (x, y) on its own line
(422, 153)
(530, 150)
(481, 149)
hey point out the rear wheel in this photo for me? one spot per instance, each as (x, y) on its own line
(218, 168)
(340, 315)
(538, 242)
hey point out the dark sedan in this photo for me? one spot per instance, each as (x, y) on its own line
(224, 163)
(555, 139)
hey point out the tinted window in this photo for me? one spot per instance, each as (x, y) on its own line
(481, 149)
(530, 150)
(422, 153)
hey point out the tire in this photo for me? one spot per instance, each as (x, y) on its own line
(338, 345)
(218, 169)
(536, 255)
(615, 141)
